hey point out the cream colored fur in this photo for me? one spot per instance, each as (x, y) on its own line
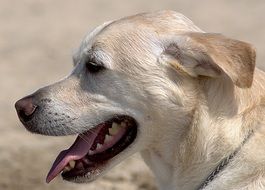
(194, 95)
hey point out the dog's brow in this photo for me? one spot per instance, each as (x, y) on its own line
(96, 54)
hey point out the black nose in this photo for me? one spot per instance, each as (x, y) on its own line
(25, 109)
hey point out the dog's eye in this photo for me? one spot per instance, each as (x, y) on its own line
(93, 67)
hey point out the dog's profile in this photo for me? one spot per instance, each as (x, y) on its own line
(155, 83)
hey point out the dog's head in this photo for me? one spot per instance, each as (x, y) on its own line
(131, 77)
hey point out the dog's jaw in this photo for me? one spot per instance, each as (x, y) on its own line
(95, 149)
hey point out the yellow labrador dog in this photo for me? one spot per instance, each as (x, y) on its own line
(155, 83)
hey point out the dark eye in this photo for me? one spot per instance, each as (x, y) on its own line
(93, 67)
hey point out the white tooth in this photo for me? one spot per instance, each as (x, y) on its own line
(72, 163)
(107, 138)
(90, 152)
(66, 169)
(98, 146)
(114, 125)
(114, 129)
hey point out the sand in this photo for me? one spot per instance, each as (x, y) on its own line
(36, 42)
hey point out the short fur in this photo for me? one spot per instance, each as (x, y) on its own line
(195, 96)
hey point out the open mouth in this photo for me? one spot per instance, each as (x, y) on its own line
(94, 148)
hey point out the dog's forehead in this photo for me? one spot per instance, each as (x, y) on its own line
(161, 23)
(136, 34)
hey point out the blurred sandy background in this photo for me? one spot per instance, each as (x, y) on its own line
(37, 38)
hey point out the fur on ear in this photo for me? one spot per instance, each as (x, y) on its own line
(211, 55)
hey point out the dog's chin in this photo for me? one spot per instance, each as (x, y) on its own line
(95, 151)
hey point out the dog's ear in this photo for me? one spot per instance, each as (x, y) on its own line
(212, 55)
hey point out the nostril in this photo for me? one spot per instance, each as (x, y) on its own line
(25, 109)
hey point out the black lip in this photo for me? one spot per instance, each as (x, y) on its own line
(100, 159)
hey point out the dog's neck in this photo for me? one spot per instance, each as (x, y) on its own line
(191, 153)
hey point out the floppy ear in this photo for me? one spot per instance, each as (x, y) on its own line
(212, 55)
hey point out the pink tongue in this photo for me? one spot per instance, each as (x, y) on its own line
(77, 151)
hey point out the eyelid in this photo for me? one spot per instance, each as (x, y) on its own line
(94, 61)
(95, 55)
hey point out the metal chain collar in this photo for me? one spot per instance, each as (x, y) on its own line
(224, 163)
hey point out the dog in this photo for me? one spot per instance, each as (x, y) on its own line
(191, 102)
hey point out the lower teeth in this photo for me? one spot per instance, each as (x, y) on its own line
(66, 169)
